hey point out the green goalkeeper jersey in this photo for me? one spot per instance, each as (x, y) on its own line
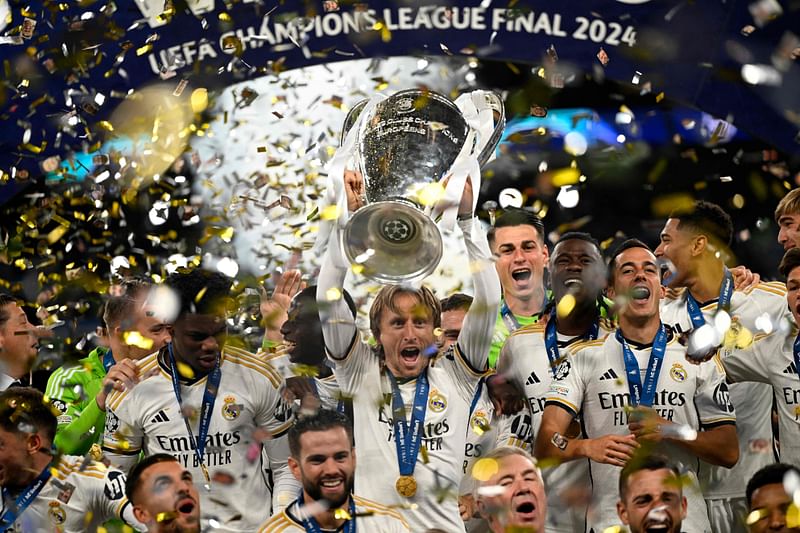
(72, 390)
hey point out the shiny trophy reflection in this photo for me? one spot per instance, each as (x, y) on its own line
(410, 140)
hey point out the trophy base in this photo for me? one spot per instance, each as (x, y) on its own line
(393, 242)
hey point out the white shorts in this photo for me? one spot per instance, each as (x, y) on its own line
(727, 515)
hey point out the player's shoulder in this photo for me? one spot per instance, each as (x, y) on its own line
(674, 294)
(278, 523)
(77, 466)
(535, 328)
(586, 346)
(374, 508)
(767, 289)
(248, 362)
(148, 370)
(607, 325)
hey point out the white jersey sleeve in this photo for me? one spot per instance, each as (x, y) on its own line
(712, 398)
(750, 364)
(475, 338)
(123, 436)
(569, 384)
(338, 327)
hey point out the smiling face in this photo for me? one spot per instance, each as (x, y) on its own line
(521, 258)
(16, 462)
(676, 246)
(302, 331)
(167, 499)
(789, 231)
(326, 466)
(637, 282)
(653, 502)
(793, 293)
(771, 503)
(406, 335)
(576, 268)
(522, 503)
(18, 343)
(198, 340)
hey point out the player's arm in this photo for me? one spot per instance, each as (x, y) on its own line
(552, 440)
(109, 500)
(74, 423)
(475, 338)
(338, 326)
(748, 364)
(122, 439)
(285, 486)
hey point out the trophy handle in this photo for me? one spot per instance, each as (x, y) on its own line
(351, 119)
(495, 103)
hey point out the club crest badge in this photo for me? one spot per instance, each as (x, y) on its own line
(230, 409)
(678, 373)
(436, 402)
(56, 513)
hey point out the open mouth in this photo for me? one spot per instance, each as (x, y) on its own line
(640, 292)
(525, 511)
(186, 506)
(521, 274)
(655, 528)
(409, 355)
(575, 283)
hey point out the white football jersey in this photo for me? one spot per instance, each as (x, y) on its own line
(764, 306)
(371, 516)
(327, 388)
(592, 383)
(77, 498)
(525, 362)
(248, 403)
(770, 359)
(453, 382)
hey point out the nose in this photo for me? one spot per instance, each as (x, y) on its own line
(777, 519)
(210, 344)
(409, 333)
(782, 236)
(518, 256)
(659, 251)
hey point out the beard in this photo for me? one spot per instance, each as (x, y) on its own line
(315, 492)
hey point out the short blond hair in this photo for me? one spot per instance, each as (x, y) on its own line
(789, 204)
(385, 300)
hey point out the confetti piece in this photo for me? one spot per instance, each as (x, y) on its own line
(134, 338)
(484, 469)
(185, 370)
(199, 100)
(602, 56)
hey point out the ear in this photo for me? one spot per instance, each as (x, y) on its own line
(662, 291)
(622, 512)
(684, 505)
(699, 243)
(142, 515)
(545, 252)
(294, 467)
(33, 443)
(482, 508)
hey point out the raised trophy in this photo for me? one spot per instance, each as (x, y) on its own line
(410, 140)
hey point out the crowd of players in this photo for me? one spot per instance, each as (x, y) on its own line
(653, 399)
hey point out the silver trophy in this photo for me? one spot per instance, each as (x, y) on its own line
(411, 139)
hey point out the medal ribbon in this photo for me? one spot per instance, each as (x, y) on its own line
(551, 339)
(108, 361)
(644, 395)
(311, 526)
(797, 354)
(22, 502)
(209, 397)
(724, 302)
(408, 437)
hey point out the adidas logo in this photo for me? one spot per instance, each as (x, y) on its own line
(161, 416)
(609, 374)
(533, 378)
(791, 369)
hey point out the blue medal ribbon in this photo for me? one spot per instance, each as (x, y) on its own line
(551, 339)
(724, 301)
(209, 397)
(796, 353)
(644, 395)
(108, 361)
(22, 502)
(311, 526)
(408, 437)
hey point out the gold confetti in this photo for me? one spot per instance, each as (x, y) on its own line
(185, 370)
(485, 468)
(199, 100)
(565, 306)
(134, 338)
(333, 294)
(330, 212)
(430, 193)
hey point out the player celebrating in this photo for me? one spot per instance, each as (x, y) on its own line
(210, 405)
(627, 401)
(694, 241)
(414, 445)
(43, 494)
(324, 461)
(80, 391)
(532, 355)
(775, 359)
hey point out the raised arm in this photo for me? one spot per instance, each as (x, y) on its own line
(338, 327)
(475, 338)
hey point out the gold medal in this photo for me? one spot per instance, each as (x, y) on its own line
(96, 452)
(406, 486)
(205, 472)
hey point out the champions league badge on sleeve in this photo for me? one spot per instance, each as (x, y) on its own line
(562, 371)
